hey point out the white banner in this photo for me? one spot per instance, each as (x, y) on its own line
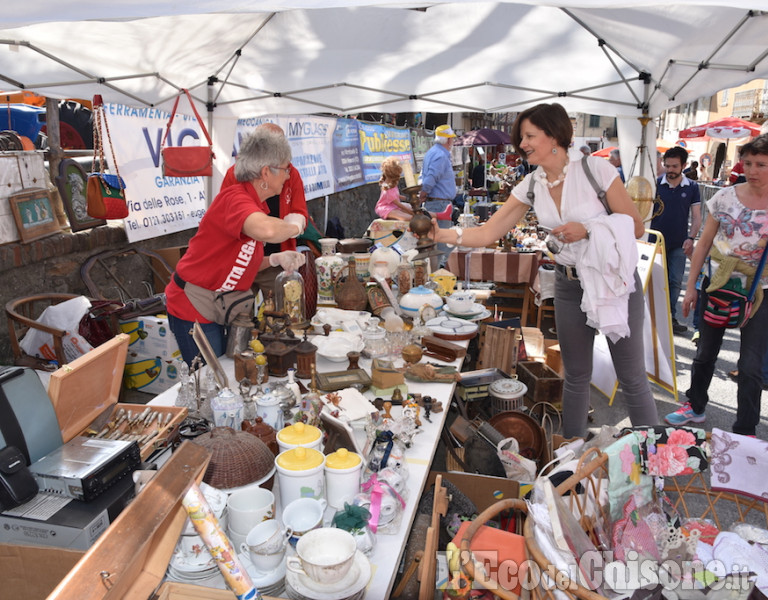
(311, 140)
(157, 205)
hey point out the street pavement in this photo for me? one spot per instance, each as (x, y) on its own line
(721, 409)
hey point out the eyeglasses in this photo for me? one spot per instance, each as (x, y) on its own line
(287, 169)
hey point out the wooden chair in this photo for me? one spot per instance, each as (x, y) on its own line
(21, 314)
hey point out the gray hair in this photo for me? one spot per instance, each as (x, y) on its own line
(262, 148)
(615, 153)
(443, 140)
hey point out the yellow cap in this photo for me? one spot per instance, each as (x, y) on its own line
(342, 459)
(445, 131)
(299, 434)
(300, 459)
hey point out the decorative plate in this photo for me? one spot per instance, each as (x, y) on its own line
(449, 328)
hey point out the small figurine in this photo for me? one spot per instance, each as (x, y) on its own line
(427, 402)
(378, 403)
(387, 409)
(397, 396)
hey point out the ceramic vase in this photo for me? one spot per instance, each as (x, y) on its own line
(327, 268)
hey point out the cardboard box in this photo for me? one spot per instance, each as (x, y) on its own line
(75, 526)
(483, 490)
(84, 395)
(153, 354)
(385, 375)
(31, 572)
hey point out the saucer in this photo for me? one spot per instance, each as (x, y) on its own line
(354, 582)
(481, 316)
(475, 309)
(263, 580)
(184, 564)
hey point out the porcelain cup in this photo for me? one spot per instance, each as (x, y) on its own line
(324, 555)
(266, 544)
(247, 508)
(303, 515)
(460, 302)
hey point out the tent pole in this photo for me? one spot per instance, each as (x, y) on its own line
(209, 183)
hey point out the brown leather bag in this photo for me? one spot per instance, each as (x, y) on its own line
(187, 161)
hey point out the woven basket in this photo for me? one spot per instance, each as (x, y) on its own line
(593, 473)
(238, 458)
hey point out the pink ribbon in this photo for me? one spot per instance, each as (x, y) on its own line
(376, 490)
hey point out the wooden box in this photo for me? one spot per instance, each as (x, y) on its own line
(544, 385)
(385, 375)
(84, 395)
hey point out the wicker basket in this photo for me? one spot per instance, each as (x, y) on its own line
(238, 458)
(593, 474)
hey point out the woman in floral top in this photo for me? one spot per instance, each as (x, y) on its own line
(737, 226)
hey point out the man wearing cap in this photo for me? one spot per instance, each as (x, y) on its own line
(438, 182)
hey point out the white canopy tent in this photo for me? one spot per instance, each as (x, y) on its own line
(347, 56)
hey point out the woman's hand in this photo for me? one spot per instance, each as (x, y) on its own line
(571, 232)
(288, 260)
(298, 220)
(690, 300)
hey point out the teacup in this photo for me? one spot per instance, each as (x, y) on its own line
(460, 302)
(247, 508)
(303, 515)
(265, 545)
(324, 555)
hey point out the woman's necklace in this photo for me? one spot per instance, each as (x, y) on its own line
(541, 174)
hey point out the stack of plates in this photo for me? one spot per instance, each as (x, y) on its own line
(352, 587)
(268, 584)
(185, 569)
(477, 312)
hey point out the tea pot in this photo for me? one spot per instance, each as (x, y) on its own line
(269, 409)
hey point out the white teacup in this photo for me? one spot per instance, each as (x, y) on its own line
(247, 508)
(303, 515)
(324, 555)
(460, 302)
(265, 545)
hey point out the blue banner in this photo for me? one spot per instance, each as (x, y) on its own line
(380, 141)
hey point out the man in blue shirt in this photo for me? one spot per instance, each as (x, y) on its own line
(676, 198)
(438, 182)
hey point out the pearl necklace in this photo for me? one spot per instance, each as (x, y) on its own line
(541, 174)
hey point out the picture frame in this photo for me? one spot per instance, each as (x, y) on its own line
(72, 183)
(33, 212)
(338, 380)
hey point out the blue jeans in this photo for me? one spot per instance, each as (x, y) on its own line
(576, 346)
(437, 206)
(675, 272)
(182, 331)
(750, 365)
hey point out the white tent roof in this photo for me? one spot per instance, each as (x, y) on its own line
(341, 57)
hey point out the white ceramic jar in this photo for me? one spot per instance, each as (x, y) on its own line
(299, 434)
(342, 477)
(413, 301)
(300, 474)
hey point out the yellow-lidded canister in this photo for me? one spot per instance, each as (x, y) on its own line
(300, 474)
(342, 477)
(299, 434)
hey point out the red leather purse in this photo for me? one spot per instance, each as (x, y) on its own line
(187, 161)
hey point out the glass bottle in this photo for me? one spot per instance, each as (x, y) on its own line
(289, 297)
(328, 266)
(404, 276)
(351, 294)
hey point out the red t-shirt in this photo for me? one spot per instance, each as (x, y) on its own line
(220, 256)
(292, 199)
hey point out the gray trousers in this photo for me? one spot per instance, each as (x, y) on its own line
(576, 346)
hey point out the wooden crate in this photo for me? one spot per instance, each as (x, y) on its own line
(84, 395)
(544, 385)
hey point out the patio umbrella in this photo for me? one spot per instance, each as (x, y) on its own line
(483, 137)
(604, 152)
(723, 129)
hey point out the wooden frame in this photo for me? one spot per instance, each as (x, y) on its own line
(34, 215)
(72, 182)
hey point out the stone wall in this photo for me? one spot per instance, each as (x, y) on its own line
(53, 264)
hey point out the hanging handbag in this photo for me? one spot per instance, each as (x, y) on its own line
(105, 192)
(729, 307)
(187, 161)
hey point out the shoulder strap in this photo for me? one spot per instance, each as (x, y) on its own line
(600, 192)
(197, 116)
(530, 195)
(758, 274)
